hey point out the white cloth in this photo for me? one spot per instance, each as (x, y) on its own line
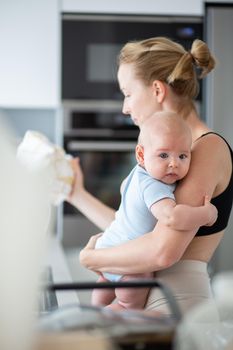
(36, 152)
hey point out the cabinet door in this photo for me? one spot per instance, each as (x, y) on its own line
(156, 7)
(30, 53)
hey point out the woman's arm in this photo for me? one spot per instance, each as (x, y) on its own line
(99, 213)
(164, 246)
(150, 252)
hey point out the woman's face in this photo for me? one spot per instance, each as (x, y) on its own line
(139, 100)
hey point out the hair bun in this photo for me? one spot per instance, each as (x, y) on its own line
(202, 57)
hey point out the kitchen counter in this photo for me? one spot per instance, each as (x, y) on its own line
(56, 259)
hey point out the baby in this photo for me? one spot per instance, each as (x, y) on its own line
(163, 154)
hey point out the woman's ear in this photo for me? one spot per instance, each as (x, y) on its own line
(139, 153)
(159, 90)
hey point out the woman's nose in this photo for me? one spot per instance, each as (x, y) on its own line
(125, 109)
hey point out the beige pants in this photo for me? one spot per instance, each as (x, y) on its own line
(189, 282)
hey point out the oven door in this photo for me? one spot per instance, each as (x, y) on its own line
(105, 164)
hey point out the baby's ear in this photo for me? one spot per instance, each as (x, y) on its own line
(139, 153)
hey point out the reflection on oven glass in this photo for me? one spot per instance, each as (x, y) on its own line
(103, 174)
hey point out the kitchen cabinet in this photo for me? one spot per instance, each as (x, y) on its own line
(30, 54)
(151, 7)
(160, 7)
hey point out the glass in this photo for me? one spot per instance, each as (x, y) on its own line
(104, 173)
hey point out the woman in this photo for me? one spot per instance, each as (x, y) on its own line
(158, 75)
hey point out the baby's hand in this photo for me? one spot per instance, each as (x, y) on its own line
(212, 210)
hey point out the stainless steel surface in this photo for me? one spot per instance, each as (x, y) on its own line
(47, 299)
(92, 105)
(128, 18)
(93, 109)
(108, 146)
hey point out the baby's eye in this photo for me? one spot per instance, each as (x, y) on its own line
(163, 155)
(182, 156)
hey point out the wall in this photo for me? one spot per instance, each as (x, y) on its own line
(30, 66)
(218, 101)
(21, 120)
(29, 62)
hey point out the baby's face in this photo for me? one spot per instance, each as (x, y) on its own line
(167, 158)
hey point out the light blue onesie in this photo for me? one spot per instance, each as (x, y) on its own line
(134, 217)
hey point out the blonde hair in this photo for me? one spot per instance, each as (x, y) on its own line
(162, 59)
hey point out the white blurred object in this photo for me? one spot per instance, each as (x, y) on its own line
(24, 213)
(210, 325)
(36, 152)
(222, 285)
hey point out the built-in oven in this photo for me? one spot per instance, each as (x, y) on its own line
(94, 127)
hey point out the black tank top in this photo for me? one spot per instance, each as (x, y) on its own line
(223, 202)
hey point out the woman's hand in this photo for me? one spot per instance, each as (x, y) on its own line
(78, 184)
(88, 249)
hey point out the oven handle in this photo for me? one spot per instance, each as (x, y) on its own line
(107, 146)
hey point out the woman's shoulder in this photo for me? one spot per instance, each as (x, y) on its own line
(213, 144)
(210, 170)
(214, 150)
(210, 137)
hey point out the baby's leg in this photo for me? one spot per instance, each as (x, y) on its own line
(102, 297)
(131, 298)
